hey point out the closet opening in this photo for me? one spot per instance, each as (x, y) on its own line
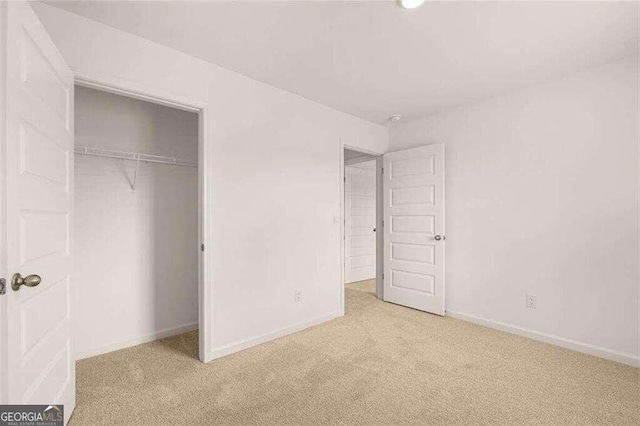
(138, 224)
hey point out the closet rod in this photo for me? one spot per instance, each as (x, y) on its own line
(134, 156)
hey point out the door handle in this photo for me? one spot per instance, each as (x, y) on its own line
(438, 237)
(29, 281)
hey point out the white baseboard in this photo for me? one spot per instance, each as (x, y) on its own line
(254, 341)
(585, 348)
(167, 332)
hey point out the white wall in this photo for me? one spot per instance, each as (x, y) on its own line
(542, 198)
(276, 178)
(136, 251)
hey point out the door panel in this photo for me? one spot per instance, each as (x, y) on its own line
(413, 182)
(360, 216)
(39, 216)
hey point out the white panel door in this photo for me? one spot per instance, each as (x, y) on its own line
(360, 221)
(414, 228)
(39, 220)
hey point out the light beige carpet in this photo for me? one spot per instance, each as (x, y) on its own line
(380, 364)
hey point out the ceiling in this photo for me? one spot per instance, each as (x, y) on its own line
(373, 59)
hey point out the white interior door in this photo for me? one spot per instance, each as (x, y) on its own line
(360, 221)
(414, 228)
(38, 205)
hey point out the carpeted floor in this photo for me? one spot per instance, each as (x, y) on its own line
(379, 364)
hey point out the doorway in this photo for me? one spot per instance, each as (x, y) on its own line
(409, 195)
(362, 220)
(135, 222)
(360, 217)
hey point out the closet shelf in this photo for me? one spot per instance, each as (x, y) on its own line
(133, 156)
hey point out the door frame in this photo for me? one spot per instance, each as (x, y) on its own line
(205, 188)
(4, 385)
(379, 223)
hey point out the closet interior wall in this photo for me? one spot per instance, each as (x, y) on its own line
(136, 249)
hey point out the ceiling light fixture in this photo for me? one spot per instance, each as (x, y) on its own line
(409, 4)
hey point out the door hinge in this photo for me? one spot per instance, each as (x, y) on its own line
(383, 275)
(3, 286)
(383, 170)
(201, 247)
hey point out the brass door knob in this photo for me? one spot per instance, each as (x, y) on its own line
(29, 281)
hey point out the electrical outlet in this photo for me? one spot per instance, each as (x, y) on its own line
(297, 296)
(532, 301)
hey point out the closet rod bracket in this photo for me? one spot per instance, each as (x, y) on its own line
(135, 174)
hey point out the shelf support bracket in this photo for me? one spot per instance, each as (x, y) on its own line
(135, 174)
